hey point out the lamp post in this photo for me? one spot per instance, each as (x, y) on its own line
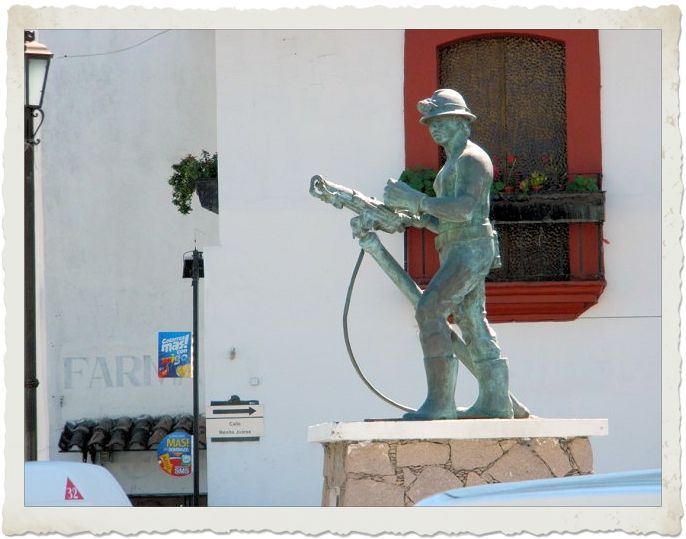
(194, 268)
(36, 62)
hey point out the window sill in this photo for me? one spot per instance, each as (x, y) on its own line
(541, 301)
(522, 301)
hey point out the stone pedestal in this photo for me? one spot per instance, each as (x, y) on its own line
(397, 463)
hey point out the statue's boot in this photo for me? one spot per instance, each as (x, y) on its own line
(494, 400)
(519, 410)
(441, 377)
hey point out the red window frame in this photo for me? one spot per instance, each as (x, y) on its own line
(517, 301)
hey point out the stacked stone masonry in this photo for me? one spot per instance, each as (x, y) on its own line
(400, 473)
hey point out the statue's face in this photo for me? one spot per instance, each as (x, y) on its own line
(445, 129)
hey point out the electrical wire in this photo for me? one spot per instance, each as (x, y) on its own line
(349, 347)
(114, 51)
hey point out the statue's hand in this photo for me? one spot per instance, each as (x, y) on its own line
(399, 195)
(426, 221)
(362, 225)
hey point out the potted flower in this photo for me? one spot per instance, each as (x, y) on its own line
(580, 202)
(497, 187)
(537, 181)
(582, 183)
(510, 164)
(195, 174)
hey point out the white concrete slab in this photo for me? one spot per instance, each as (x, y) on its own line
(461, 429)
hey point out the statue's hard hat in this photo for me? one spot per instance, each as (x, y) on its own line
(442, 103)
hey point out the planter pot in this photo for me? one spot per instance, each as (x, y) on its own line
(577, 207)
(208, 193)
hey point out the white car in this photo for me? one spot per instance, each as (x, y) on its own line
(73, 484)
(637, 488)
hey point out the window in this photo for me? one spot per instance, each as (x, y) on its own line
(535, 94)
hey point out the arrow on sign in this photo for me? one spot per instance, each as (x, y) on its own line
(249, 411)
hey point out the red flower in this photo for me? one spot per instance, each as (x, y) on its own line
(511, 158)
(496, 171)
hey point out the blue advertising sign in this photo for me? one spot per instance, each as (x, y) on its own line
(175, 454)
(174, 353)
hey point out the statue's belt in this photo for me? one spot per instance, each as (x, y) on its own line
(463, 233)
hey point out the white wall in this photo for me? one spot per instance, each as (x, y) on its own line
(292, 104)
(112, 241)
(630, 74)
(311, 102)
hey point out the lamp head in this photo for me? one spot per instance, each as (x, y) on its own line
(37, 57)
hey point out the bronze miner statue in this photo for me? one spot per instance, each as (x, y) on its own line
(468, 248)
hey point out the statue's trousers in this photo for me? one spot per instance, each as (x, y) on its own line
(372, 245)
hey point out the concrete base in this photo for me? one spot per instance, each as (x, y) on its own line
(397, 463)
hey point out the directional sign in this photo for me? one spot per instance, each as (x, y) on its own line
(234, 428)
(235, 410)
(239, 422)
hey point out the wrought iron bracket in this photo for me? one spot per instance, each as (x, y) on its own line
(35, 113)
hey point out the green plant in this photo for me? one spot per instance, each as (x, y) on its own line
(583, 183)
(497, 187)
(187, 172)
(421, 179)
(536, 180)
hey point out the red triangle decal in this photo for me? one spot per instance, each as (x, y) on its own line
(71, 492)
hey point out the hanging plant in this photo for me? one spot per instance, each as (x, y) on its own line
(187, 173)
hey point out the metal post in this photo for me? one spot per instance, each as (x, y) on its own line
(30, 381)
(197, 256)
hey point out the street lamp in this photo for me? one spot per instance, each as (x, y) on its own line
(37, 60)
(194, 268)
